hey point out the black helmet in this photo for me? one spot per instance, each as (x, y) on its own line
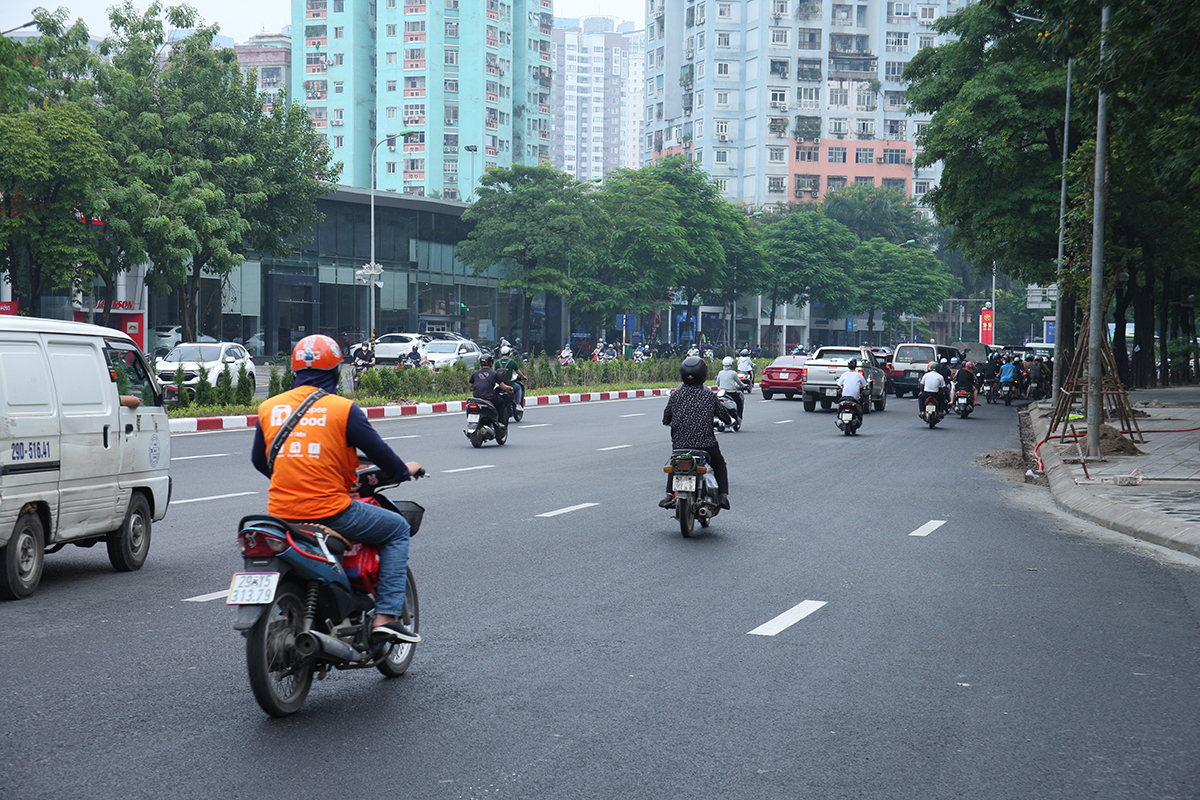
(693, 370)
(486, 360)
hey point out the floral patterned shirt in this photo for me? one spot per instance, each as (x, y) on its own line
(689, 412)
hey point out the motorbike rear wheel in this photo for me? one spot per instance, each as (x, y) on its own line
(518, 413)
(501, 435)
(400, 654)
(279, 676)
(686, 514)
(477, 438)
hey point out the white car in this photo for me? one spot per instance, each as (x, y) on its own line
(392, 347)
(441, 354)
(170, 335)
(213, 357)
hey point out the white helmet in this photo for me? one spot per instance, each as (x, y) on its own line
(727, 362)
(505, 349)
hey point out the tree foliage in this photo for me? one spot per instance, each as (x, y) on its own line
(873, 211)
(898, 280)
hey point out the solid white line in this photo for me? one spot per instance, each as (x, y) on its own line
(614, 447)
(189, 458)
(214, 497)
(568, 509)
(633, 415)
(409, 436)
(539, 425)
(787, 619)
(204, 598)
(783, 421)
(766, 401)
(468, 469)
(928, 527)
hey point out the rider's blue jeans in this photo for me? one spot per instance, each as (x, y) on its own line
(370, 524)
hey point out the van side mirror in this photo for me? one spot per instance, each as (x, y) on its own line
(170, 394)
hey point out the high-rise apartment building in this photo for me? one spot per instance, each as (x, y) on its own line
(785, 100)
(470, 80)
(270, 56)
(597, 108)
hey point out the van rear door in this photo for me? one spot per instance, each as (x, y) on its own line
(89, 499)
(29, 435)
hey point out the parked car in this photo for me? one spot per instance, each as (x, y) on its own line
(434, 336)
(170, 335)
(391, 347)
(784, 375)
(441, 354)
(212, 356)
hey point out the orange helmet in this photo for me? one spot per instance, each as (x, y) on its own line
(316, 352)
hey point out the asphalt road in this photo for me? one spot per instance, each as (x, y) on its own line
(1009, 652)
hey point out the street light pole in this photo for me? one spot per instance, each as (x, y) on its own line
(1095, 410)
(370, 272)
(472, 149)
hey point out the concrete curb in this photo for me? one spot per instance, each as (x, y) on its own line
(1159, 529)
(195, 424)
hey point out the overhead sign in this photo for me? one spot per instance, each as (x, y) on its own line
(1040, 296)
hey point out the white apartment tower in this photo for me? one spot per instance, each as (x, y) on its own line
(597, 104)
(785, 100)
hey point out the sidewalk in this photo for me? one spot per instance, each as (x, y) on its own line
(1154, 496)
(192, 424)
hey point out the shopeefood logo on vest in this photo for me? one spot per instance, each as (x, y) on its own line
(279, 414)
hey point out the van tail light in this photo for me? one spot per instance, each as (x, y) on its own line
(256, 543)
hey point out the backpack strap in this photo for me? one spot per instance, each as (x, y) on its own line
(289, 425)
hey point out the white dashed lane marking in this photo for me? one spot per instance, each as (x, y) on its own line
(633, 415)
(614, 447)
(783, 421)
(204, 598)
(928, 527)
(212, 497)
(409, 436)
(787, 619)
(189, 458)
(468, 469)
(568, 509)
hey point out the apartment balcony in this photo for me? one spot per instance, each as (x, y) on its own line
(543, 134)
(414, 63)
(493, 43)
(493, 14)
(899, 20)
(490, 151)
(414, 174)
(316, 95)
(801, 191)
(492, 97)
(414, 37)
(414, 147)
(491, 125)
(414, 92)
(491, 69)
(543, 108)
(808, 11)
(315, 69)
(836, 74)
(415, 119)
(316, 41)
(545, 56)
(315, 14)
(808, 74)
(414, 8)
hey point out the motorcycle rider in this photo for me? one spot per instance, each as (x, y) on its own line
(689, 412)
(312, 474)
(727, 379)
(413, 358)
(509, 367)
(486, 385)
(932, 383)
(1008, 373)
(745, 363)
(964, 381)
(852, 384)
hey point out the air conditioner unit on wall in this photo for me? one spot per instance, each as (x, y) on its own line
(812, 193)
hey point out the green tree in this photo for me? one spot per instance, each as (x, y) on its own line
(871, 211)
(898, 280)
(540, 223)
(809, 260)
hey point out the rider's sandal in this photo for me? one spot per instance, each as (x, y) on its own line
(394, 631)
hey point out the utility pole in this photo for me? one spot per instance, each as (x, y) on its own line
(1095, 409)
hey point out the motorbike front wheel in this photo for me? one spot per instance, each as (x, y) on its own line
(687, 518)
(518, 413)
(279, 676)
(400, 654)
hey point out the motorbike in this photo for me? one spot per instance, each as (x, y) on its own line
(962, 403)
(306, 601)
(746, 380)
(483, 423)
(932, 412)
(988, 390)
(849, 416)
(1008, 390)
(729, 404)
(360, 366)
(695, 489)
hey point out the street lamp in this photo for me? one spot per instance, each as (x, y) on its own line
(19, 27)
(368, 274)
(472, 149)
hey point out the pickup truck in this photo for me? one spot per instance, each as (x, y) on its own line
(823, 369)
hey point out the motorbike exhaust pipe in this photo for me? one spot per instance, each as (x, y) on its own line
(313, 642)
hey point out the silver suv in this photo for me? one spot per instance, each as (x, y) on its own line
(910, 361)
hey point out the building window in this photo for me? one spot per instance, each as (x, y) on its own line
(892, 155)
(699, 99)
(339, 6)
(865, 127)
(391, 3)
(451, 30)
(450, 85)
(391, 86)
(809, 97)
(837, 155)
(839, 127)
(839, 98)
(414, 54)
(339, 87)
(339, 141)
(721, 156)
(339, 32)
(338, 59)
(724, 11)
(805, 153)
(722, 39)
(896, 183)
(927, 14)
(415, 26)
(451, 59)
(899, 10)
(924, 41)
(722, 127)
(895, 128)
(778, 184)
(864, 155)
(778, 97)
(896, 42)
(391, 30)
(920, 188)
(864, 180)
(722, 69)
(835, 182)
(779, 36)
(722, 98)
(391, 112)
(390, 166)
(722, 185)
(777, 155)
(391, 58)
(893, 70)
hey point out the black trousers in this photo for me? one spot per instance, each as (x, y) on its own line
(717, 462)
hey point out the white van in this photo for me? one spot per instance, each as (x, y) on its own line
(84, 447)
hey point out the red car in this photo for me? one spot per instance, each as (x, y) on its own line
(784, 375)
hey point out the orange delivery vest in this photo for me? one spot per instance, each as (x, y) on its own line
(315, 468)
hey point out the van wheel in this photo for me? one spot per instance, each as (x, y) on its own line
(129, 544)
(23, 557)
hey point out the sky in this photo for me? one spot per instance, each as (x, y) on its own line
(242, 19)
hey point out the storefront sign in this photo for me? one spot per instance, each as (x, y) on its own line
(8, 307)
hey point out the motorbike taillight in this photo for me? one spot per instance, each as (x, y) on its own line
(257, 543)
(684, 465)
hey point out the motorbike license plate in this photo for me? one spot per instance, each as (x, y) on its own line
(783, 376)
(831, 392)
(847, 416)
(685, 483)
(252, 588)
(472, 418)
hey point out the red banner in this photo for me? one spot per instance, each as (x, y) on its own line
(987, 326)
(8, 307)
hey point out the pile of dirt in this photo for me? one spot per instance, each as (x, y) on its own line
(1112, 443)
(1004, 459)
